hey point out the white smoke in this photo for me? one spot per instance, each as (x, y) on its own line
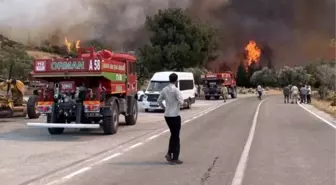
(34, 21)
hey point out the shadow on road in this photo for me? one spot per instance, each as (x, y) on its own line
(143, 163)
(41, 134)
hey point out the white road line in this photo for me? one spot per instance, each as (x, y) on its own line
(153, 137)
(240, 170)
(76, 173)
(324, 120)
(53, 182)
(186, 121)
(110, 157)
(135, 145)
(164, 131)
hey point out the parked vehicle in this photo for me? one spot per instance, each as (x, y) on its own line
(89, 91)
(213, 83)
(160, 80)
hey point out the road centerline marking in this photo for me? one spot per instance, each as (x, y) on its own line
(110, 157)
(241, 167)
(71, 175)
(135, 145)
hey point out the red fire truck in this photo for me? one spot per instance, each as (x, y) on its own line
(89, 91)
(213, 82)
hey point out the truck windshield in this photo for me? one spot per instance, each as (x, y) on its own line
(157, 85)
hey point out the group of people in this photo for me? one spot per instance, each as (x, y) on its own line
(301, 94)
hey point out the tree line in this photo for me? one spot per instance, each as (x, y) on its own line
(178, 42)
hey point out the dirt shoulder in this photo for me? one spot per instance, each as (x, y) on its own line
(324, 106)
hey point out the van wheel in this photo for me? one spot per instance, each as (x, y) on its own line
(146, 110)
(188, 104)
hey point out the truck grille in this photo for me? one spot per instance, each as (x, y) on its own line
(152, 97)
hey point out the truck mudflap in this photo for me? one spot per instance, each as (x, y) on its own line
(63, 125)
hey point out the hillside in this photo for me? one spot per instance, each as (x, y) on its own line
(20, 55)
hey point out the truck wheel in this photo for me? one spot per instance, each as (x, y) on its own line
(131, 119)
(207, 97)
(234, 93)
(111, 122)
(31, 107)
(54, 131)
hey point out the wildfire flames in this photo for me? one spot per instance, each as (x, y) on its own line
(252, 53)
(69, 44)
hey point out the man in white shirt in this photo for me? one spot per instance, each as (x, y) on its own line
(295, 92)
(309, 94)
(259, 89)
(173, 99)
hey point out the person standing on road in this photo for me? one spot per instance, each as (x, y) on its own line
(224, 92)
(295, 92)
(309, 94)
(174, 99)
(199, 90)
(286, 92)
(260, 90)
(303, 92)
(290, 91)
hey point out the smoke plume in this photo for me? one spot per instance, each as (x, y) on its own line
(294, 31)
(117, 21)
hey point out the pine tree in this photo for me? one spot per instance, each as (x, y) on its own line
(242, 79)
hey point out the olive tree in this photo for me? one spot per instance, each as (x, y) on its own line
(265, 77)
(326, 77)
(295, 76)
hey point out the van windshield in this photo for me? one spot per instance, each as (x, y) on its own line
(157, 85)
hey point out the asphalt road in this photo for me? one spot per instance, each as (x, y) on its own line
(242, 142)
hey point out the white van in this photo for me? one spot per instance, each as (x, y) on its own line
(160, 80)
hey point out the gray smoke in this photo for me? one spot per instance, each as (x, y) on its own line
(117, 21)
(297, 31)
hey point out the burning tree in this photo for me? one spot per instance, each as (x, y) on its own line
(250, 65)
(253, 54)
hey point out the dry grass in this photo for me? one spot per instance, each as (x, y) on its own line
(324, 106)
(41, 54)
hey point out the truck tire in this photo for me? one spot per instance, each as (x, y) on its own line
(132, 119)
(234, 93)
(31, 107)
(54, 131)
(111, 122)
(207, 97)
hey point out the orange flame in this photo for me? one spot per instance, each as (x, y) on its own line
(253, 53)
(69, 44)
